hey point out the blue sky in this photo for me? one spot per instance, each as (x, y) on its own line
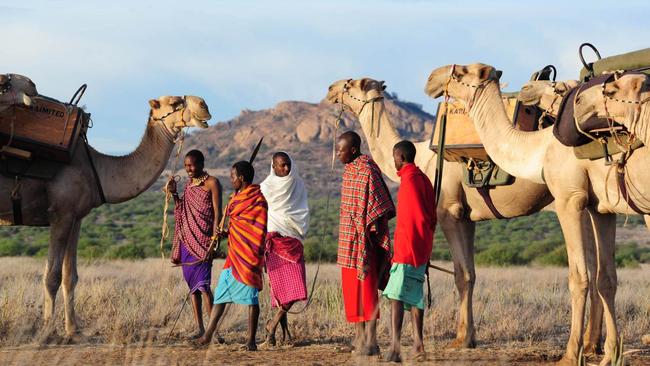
(253, 54)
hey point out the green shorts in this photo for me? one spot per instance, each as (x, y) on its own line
(406, 284)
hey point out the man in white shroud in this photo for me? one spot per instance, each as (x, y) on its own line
(288, 221)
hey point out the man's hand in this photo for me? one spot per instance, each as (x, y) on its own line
(171, 186)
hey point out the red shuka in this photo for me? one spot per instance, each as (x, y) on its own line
(416, 217)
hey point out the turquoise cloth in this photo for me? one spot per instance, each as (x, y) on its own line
(406, 284)
(230, 290)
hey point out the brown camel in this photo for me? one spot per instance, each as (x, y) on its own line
(460, 206)
(577, 185)
(66, 199)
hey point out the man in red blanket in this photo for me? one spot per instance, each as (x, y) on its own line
(364, 241)
(416, 221)
(241, 278)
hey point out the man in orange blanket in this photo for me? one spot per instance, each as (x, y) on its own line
(416, 222)
(241, 278)
(364, 241)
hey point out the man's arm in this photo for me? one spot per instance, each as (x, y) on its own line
(216, 192)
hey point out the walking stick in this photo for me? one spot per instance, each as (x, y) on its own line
(437, 185)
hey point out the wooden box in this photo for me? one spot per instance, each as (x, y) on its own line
(461, 139)
(49, 129)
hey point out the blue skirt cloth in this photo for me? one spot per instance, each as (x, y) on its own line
(230, 290)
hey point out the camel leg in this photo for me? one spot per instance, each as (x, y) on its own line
(70, 279)
(569, 213)
(605, 232)
(59, 237)
(460, 236)
(593, 337)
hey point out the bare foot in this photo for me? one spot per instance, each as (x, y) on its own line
(250, 347)
(196, 335)
(372, 350)
(393, 356)
(201, 342)
(270, 336)
(420, 357)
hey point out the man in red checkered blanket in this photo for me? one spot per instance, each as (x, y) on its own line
(364, 250)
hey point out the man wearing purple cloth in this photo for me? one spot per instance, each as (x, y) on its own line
(197, 216)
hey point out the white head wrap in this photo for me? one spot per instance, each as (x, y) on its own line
(288, 206)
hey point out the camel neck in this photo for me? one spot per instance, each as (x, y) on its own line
(518, 152)
(381, 136)
(642, 125)
(124, 177)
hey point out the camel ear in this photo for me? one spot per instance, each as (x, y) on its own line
(154, 103)
(637, 84)
(486, 72)
(175, 101)
(499, 73)
(363, 83)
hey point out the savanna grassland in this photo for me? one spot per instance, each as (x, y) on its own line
(126, 310)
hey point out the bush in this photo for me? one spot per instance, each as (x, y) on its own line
(125, 252)
(557, 257)
(499, 255)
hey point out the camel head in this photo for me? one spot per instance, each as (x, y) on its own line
(619, 98)
(178, 112)
(544, 92)
(354, 94)
(460, 82)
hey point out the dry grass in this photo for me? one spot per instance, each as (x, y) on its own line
(135, 303)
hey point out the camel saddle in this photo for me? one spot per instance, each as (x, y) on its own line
(637, 60)
(46, 130)
(593, 140)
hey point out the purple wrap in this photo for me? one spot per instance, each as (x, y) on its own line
(197, 276)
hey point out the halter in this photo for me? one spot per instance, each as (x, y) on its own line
(477, 87)
(610, 121)
(371, 101)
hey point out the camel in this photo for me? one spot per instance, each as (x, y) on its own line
(66, 199)
(460, 207)
(548, 96)
(577, 185)
(15, 89)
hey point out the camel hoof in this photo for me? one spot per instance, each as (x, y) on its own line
(565, 361)
(50, 336)
(591, 350)
(606, 361)
(393, 356)
(462, 343)
(74, 338)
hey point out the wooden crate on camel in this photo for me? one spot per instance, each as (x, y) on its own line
(46, 129)
(461, 139)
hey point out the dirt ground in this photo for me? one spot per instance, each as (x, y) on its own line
(312, 354)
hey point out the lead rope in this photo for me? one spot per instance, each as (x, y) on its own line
(165, 225)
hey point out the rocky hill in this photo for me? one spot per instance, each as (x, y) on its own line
(305, 130)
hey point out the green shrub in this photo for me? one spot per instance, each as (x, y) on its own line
(125, 252)
(557, 257)
(499, 255)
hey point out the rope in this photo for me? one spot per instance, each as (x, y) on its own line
(165, 225)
